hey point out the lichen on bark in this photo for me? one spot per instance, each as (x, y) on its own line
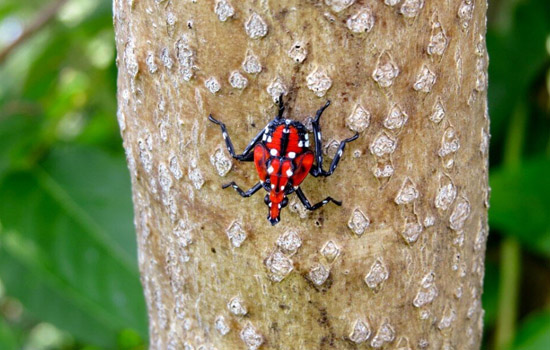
(400, 264)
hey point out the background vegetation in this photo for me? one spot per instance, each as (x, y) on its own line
(68, 272)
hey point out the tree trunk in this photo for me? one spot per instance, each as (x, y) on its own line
(400, 264)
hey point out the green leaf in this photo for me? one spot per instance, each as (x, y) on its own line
(518, 55)
(534, 333)
(520, 203)
(8, 338)
(490, 292)
(18, 140)
(66, 248)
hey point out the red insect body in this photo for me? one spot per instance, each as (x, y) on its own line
(283, 160)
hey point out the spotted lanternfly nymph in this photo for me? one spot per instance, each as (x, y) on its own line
(283, 159)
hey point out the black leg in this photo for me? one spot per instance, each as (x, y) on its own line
(308, 205)
(318, 142)
(247, 155)
(317, 170)
(281, 107)
(248, 193)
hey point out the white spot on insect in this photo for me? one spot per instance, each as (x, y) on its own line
(251, 63)
(270, 170)
(359, 119)
(269, 139)
(362, 21)
(278, 265)
(286, 130)
(291, 155)
(339, 5)
(339, 153)
(307, 144)
(289, 173)
(224, 10)
(377, 274)
(282, 188)
(235, 186)
(251, 337)
(289, 242)
(224, 135)
(236, 234)
(300, 144)
(325, 201)
(425, 80)
(360, 332)
(255, 26)
(318, 274)
(270, 204)
(298, 52)
(272, 186)
(237, 80)
(358, 222)
(264, 137)
(386, 70)
(411, 8)
(279, 205)
(306, 136)
(273, 152)
(212, 85)
(319, 82)
(287, 121)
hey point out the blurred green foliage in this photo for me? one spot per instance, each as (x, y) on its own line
(67, 244)
(68, 272)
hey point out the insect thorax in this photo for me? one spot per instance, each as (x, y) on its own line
(286, 138)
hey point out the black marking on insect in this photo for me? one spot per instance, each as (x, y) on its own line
(283, 160)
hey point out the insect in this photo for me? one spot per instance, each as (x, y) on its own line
(283, 160)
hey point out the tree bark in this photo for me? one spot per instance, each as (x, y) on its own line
(400, 264)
